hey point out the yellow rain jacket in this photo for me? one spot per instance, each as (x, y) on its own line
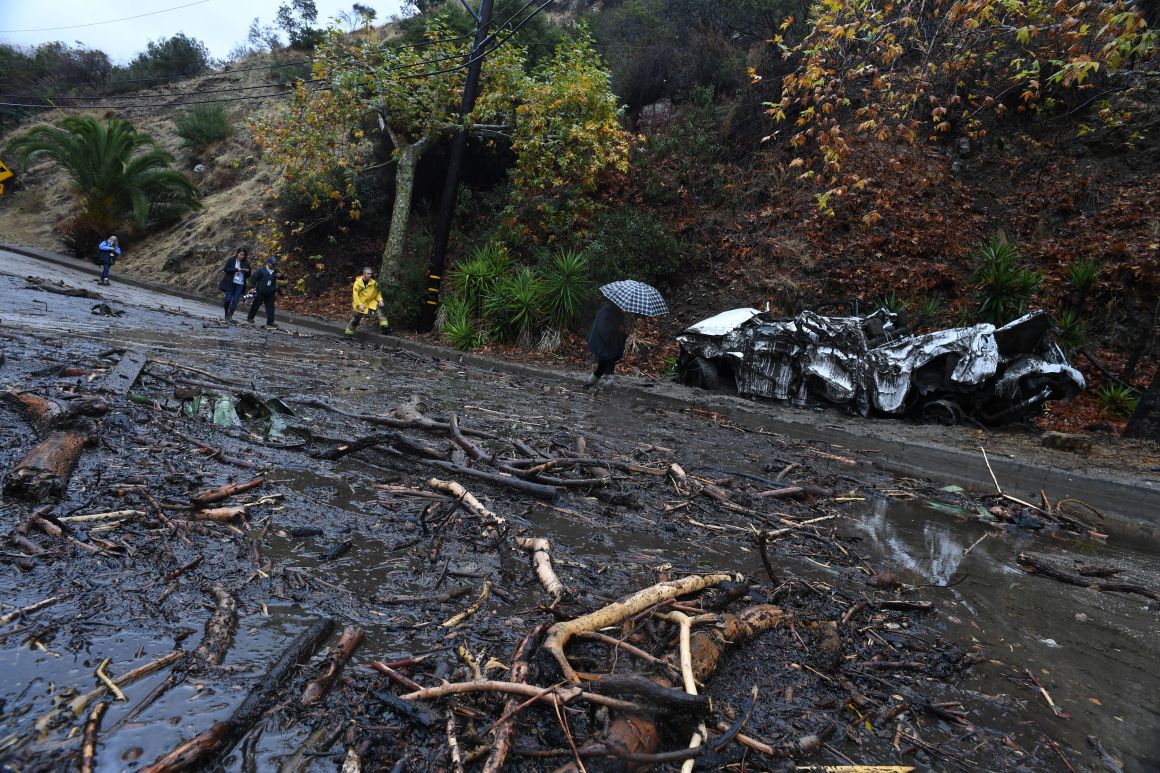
(367, 296)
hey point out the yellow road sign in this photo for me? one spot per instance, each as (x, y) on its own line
(5, 174)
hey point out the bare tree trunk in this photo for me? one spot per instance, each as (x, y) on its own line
(1145, 421)
(409, 155)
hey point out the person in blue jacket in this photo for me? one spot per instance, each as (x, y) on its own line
(233, 284)
(109, 250)
(606, 341)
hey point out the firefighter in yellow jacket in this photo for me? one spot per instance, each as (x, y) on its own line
(367, 302)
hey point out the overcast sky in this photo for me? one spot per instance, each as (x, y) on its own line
(220, 24)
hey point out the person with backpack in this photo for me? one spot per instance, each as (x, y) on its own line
(367, 302)
(265, 290)
(236, 273)
(109, 249)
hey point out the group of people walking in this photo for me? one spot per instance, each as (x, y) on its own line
(237, 278)
(606, 338)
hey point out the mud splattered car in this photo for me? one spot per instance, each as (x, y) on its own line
(875, 365)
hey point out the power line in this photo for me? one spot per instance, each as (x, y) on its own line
(110, 21)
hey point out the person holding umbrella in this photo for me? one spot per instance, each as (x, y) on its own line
(609, 330)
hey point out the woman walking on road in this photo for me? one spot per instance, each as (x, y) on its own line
(233, 284)
(265, 288)
(606, 341)
(109, 250)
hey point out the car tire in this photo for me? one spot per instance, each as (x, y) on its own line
(700, 372)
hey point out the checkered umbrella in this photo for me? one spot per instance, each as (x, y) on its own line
(635, 297)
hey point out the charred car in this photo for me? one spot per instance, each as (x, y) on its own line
(874, 365)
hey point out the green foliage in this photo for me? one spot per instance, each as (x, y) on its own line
(567, 140)
(38, 72)
(513, 305)
(1071, 331)
(567, 287)
(296, 19)
(473, 278)
(163, 59)
(1004, 286)
(201, 126)
(538, 36)
(461, 330)
(628, 243)
(929, 307)
(118, 174)
(1117, 400)
(1082, 274)
(892, 303)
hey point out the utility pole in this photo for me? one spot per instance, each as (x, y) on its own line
(455, 167)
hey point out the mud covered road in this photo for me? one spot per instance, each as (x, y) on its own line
(288, 551)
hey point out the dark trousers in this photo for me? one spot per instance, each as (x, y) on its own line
(233, 295)
(605, 368)
(266, 299)
(106, 263)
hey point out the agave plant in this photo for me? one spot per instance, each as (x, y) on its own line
(892, 302)
(473, 278)
(1117, 399)
(566, 287)
(118, 174)
(1071, 331)
(1004, 285)
(459, 328)
(513, 305)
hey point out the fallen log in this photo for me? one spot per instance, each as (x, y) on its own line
(44, 471)
(465, 496)
(317, 688)
(358, 444)
(707, 644)
(618, 611)
(124, 375)
(519, 484)
(222, 736)
(219, 513)
(224, 492)
(1035, 566)
(219, 632)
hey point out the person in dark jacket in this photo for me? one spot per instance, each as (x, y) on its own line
(236, 273)
(606, 341)
(265, 289)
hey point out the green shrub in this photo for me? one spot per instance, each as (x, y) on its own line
(566, 288)
(1117, 399)
(929, 307)
(1071, 331)
(628, 243)
(1082, 274)
(473, 278)
(513, 305)
(201, 126)
(460, 329)
(1003, 285)
(892, 302)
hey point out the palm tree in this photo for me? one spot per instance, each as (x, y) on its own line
(119, 175)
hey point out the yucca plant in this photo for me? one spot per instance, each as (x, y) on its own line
(118, 174)
(929, 308)
(566, 287)
(513, 305)
(460, 329)
(202, 125)
(1071, 331)
(1082, 274)
(474, 277)
(892, 303)
(1004, 285)
(1117, 399)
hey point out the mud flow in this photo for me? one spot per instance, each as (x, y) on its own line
(247, 550)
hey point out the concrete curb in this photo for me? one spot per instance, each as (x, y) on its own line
(1130, 507)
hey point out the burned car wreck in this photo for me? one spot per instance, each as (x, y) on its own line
(875, 365)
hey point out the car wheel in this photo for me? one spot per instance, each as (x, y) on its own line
(943, 412)
(700, 372)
